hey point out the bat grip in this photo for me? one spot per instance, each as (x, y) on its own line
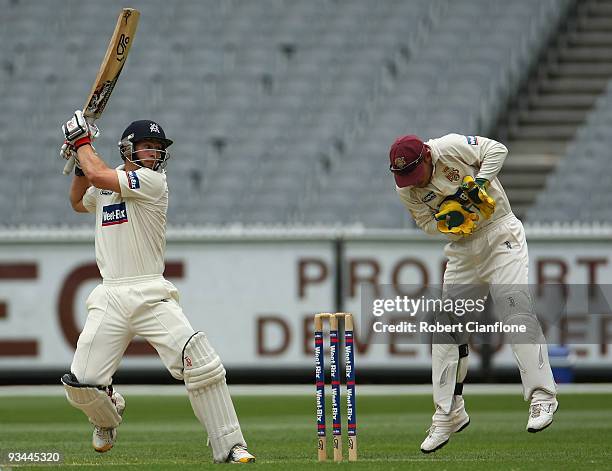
(69, 166)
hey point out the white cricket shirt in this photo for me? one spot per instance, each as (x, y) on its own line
(455, 156)
(131, 226)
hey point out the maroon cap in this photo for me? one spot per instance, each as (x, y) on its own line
(406, 156)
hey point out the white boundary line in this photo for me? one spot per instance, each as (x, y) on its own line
(304, 389)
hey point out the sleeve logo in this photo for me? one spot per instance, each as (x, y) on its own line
(472, 140)
(114, 214)
(133, 180)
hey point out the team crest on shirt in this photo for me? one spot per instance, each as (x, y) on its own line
(451, 174)
(114, 214)
(472, 140)
(133, 180)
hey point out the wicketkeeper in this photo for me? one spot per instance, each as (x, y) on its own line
(450, 186)
(130, 204)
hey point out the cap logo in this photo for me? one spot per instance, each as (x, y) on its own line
(154, 128)
(399, 162)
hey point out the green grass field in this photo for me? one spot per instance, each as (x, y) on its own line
(162, 433)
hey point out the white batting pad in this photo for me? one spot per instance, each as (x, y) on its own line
(210, 399)
(94, 402)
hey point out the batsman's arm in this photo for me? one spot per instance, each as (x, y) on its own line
(78, 188)
(96, 171)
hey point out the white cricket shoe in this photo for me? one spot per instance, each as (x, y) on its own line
(104, 438)
(239, 454)
(541, 415)
(443, 426)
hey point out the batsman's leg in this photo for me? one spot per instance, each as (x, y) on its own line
(99, 350)
(101, 404)
(204, 377)
(188, 356)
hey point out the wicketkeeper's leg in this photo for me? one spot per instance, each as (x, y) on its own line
(448, 371)
(515, 308)
(449, 368)
(450, 351)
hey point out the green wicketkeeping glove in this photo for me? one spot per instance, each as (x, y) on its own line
(455, 219)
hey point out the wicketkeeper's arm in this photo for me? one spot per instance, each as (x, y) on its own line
(421, 213)
(492, 157)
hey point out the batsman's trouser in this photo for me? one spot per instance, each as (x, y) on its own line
(147, 306)
(495, 261)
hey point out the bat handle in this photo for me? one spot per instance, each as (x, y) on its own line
(69, 166)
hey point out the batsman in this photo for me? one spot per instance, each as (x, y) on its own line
(130, 203)
(450, 186)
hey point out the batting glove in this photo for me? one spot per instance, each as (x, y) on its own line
(78, 132)
(67, 151)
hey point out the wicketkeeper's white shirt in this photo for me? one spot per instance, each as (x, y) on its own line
(131, 226)
(455, 156)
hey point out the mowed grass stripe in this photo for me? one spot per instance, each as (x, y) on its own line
(162, 433)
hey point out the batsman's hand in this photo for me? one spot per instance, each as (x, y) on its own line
(78, 132)
(476, 192)
(453, 218)
(67, 151)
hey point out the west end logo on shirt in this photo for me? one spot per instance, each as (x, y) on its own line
(114, 214)
(133, 180)
(472, 140)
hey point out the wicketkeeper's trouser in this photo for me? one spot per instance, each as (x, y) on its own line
(495, 261)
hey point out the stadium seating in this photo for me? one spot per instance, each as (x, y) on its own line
(577, 191)
(281, 111)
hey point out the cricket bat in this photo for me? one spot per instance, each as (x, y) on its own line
(110, 69)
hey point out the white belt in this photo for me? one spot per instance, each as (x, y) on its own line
(130, 280)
